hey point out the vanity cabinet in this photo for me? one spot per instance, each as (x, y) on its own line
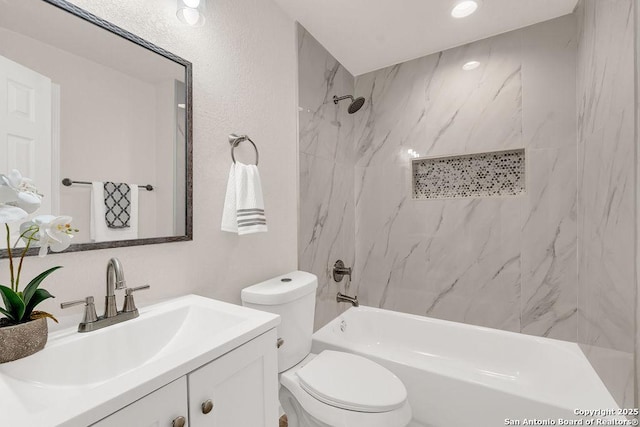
(159, 408)
(238, 389)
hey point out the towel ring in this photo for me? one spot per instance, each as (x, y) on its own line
(235, 140)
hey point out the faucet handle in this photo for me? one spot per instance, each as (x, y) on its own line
(129, 303)
(339, 271)
(89, 309)
(129, 291)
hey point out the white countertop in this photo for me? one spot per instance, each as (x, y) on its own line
(79, 379)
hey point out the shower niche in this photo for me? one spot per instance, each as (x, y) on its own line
(489, 174)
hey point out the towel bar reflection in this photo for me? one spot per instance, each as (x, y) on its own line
(68, 183)
(235, 140)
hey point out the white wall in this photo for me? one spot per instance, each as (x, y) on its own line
(244, 81)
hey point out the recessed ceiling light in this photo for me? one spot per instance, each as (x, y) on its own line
(191, 12)
(464, 8)
(471, 65)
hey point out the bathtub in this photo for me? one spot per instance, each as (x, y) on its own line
(469, 376)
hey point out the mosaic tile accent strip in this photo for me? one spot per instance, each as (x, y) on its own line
(500, 173)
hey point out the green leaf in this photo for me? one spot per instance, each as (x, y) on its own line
(6, 313)
(31, 288)
(38, 296)
(13, 304)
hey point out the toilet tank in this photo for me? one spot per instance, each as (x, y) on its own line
(293, 297)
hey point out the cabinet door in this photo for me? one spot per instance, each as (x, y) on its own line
(242, 386)
(157, 409)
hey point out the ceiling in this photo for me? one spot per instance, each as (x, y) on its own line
(62, 30)
(366, 35)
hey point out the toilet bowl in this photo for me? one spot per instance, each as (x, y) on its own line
(332, 388)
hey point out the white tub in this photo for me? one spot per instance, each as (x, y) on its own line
(469, 376)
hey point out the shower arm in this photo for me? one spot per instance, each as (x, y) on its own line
(338, 99)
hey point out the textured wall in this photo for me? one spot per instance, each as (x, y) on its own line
(326, 227)
(606, 192)
(509, 262)
(244, 81)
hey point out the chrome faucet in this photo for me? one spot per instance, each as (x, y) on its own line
(339, 271)
(346, 298)
(115, 280)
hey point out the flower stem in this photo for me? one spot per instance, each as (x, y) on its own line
(24, 252)
(33, 229)
(13, 288)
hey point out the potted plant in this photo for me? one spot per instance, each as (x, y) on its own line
(23, 330)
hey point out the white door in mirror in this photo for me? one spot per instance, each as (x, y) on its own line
(25, 126)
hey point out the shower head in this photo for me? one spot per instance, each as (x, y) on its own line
(356, 104)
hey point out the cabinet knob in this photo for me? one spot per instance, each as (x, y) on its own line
(179, 422)
(207, 406)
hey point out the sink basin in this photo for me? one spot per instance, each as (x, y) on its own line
(113, 366)
(120, 348)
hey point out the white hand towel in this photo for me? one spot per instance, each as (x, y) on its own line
(229, 214)
(99, 230)
(244, 205)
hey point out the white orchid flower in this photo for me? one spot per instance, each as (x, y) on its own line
(48, 231)
(11, 214)
(19, 182)
(18, 197)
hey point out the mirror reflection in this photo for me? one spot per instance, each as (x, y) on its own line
(105, 116)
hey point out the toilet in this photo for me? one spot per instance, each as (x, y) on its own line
(332, 388)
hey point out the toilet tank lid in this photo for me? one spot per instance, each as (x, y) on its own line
(282, 289)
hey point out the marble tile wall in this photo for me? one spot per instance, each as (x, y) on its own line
(557, 261)
(503, 262)
(606, 192)
(326, 160)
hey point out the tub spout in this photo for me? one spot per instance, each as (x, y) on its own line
(346, 298)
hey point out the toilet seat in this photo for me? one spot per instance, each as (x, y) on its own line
(352, 382)
(332, 415)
